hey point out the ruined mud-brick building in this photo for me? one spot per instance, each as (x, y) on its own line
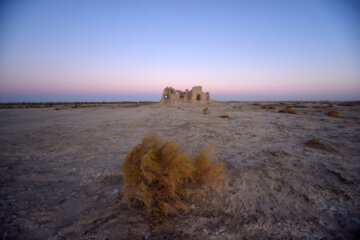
(195, 95)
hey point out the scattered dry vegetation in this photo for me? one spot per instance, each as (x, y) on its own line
(313, 141)
(206, 110)
(288, 110)
(268, 107)
(239, 107)
(224, 116)
(157, 177)
(316, 143)
(333, 113)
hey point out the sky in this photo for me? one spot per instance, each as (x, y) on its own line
(131, 50)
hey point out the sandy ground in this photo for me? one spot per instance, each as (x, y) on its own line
(60, 172)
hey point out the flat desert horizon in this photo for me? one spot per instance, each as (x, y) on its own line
(292, 168)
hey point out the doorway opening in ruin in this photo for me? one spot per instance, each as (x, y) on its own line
(198, 97)
(166, 96)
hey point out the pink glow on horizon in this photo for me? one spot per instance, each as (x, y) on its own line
(221, 80)
(120, 88)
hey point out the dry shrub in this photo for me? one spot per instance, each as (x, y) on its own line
(256, 104)
(157, 177)
(313, 141)
(333, 113)
(287, 110)
(268, 107)
(205, 110)
(272, 107)
(57, 109)
(316, 143)
(224, 116)
(206, 170)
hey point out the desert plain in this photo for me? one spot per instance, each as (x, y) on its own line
(61, 176)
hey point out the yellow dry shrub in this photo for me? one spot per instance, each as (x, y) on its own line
(206, 170)
(206, 110)
(288, 109)
(157, 176)
(313, 141)
(333, 113)
(268, 107)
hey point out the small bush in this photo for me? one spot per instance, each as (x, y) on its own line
(287, 110)
(333, 113)
(57, 109)
(205, 110)
(317, 144)
(313, 141)
(224, 116)
(157, 177)
(269, 107)
(206, 170)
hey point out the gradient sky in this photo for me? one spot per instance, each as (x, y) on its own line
(130, 50)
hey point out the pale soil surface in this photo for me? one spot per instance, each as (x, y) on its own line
(61, 178)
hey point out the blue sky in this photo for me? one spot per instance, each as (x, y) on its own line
(131, 50)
